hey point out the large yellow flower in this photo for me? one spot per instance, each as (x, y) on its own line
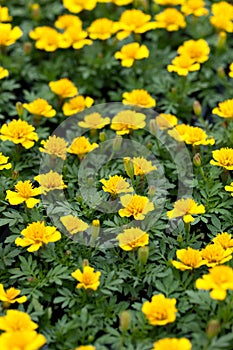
(116, 184)
(81, 146)
(11, 295)
(195, 8)
(138, 97)
(182, 65)
(24, 192)
(142, 166)
(55, 146)
(172, 344)
(19, 131)
(191, 135)
(131, 52)
(136, 206)
(223, 157)
(166, 121)
(26, 340)
(76, 6)
(215, 254)
(76, 105)
(186, 208)
(63, 88)
(9, 35)
(77, 37)
(224, 109)
(36, 234)
(219, 280)
(224, 239)
(17, 321)
(40, 107)
(198, 50)
(102, 28)
(125, 121)
(68, 20)
(160, 311)
(50, 181)
(222, 16)
(170, 19)
(4, 14)
(88, 279)
(49, 39)
(73, 224)
(94, 121)
(4, 162)
(189, 259)
(3, 73)
(132, 238)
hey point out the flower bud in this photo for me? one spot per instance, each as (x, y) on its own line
(197, 108)
(153, 127)
(221, 72)
(221, 43)
(197, 160)
(95, 229)
(125, 319)
(35, 9)
(179, 238)
(151, 191)
(129, 168)
(6, 305)
(143, 254)
(19, 108)
(15, 174)
(117, 143)
(85, 262)
(102, 136)
(213, 328)
(27, 48)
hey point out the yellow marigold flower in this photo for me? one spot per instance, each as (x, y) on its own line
(170, 19)
(36, 234)
(40, 107)
(50, 182)
(76, 105)
(182, 65)
(68, 20)
(77, 37)
(86, 347)
(81, 146)
(222, 16)
(76, 6)
(102, 28)
(73, 224)
(224, 109)
(223, 157)
(4, 162)
(138, 97)
(17, 321)
(4, 15)
(195, 8)
(222, 7)
(131, 52)
(136, 206)
(166, 121)
(160, 311)
(19, 131)
(10, 296)
(215, 254)
(63, 88)
(55, 146)
(198, 50)
(125, 121)
(191, 135)
(219, 280)
(134, 21)
(116, 184)
(9, 35)
(224, 239)
(142, 166)
(169, 2)
(172, 344)
(94, 121)
(186, 208)
(231, 70)
(190, 259)
(25, 340)
(121, 2)
(24, 192)
(49, 39)
(3, 73)
(88, 279)
(132, 238)
(229, 188)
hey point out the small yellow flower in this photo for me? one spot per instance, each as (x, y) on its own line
(191, 135)
(73, 224)
(136, 206)
(76, 6)
(36, 234)
(198, 50)
(4, 15)
(125, 121)
(215, 254)
(19, 131)
(223, 157)
(68, 20)
(63, 88)
(9, 35)
(224, 239)
(94, 121)
(102, 28)
(24, 192)
(49, 39)
(195, 8)
(3, 73)
(172, 344)
(186, 208)
(224, 109)
(40, 107)
(10, 296)
(190, 259)
(116, 184)
(132, 238)
(25, 340)
(81, 146)
(86, 347)
(76, 105)
(182, 65)
(17, 321)
(50, 181)
(76, 37)
(138, 97)
(131, 52)
(219, 280)
(170, 19)
(88, 279)
(160, 311)
(55, 146)
(231, 70)
(142, 166)
(4, 162)
(222, 16)
(120, 2)
(166, 121)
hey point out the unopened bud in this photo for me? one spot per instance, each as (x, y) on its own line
(35, 9)
(213, 328)
(197, 108)
(151, 191)
(102, 136)
(85, 262)
(95, 229)
(19, 108)
(221, 40)
(179, 238)
(6, 305)
(149, 145)
(221, 72)
(27, 48)
(125, 320)
(129, 168)
(68, 253)
(197, 160)
(117, 142)
(153, 127)
(15, 174)
(143, 254)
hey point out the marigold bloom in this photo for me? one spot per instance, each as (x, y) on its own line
(77, 37)
(17, 321)
(19, 131)
(195, 8)
(224, 109)
(40, 107)
(102, 28)
(125, 121)
(88, 279)
(131, 52)
(76, 105)
(63, 88)
(172, 344)
(4, 162)
(9, 35)
(166, 121)
(215, 254)
(10, 295)
(73, 224)
(121, 2)
(55, 146)
(142, 166)
(94, 121)
(25, 340)
(170, 19)
(186, 207)
(49, 39)
(3, 73)
(231, 70)
(138, 97)
(182, 65)
(191, 135)
(50, 181)
(68, 20)
(24, 192)
(160, 311)
(169, 2)
(223, 157)
(86, 347)
(198, 50)
(222, 16)
(224, 239)
(134, 21)
(36, 234)
(219, 280)
(81, 146)
(190, 259)
(116, 184)
(4, 15)
(136, 206)
(76, 6)
(132, 238)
